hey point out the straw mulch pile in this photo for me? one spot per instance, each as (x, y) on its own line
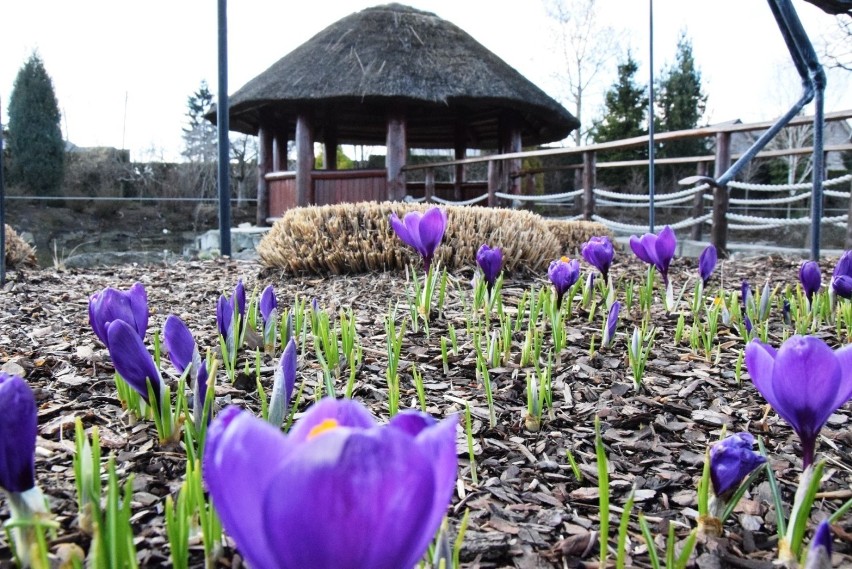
(18, 251)
(357, 238)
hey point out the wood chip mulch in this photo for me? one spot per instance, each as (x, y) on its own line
(528, 510)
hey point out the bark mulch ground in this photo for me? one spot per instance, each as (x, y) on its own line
(527, 510)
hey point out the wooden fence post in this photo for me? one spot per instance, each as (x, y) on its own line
(264, 166)
(719, 232)
(429, 189)
(304, 161)
(698, 204)
(493, 182)
(589, 181)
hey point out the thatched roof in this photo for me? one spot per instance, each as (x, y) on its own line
(350, 74)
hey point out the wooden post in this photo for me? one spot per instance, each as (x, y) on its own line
(397, 150)
(429, 190)
(304, 161)
(719, 232)
(329, 161)
(279, 151)
(513, 181)
(459, 152)
(698, 204)
(589, 181)
(493, 182)
(264, 166)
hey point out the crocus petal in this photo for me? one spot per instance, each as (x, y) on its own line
(842, 286)
(179, 343)
(344, 412)
(132, 360)
(18, 428)
(111, 304)
(268, 302)
(224, 315)
(411, 220)
(638, 245)
(282, 386)
(844, 392)
(598, 252)
(665, 246)
(244, 452)
(844, 265)
(819, 553)
(239, 298)
(810, 277)
(377, 514)
(401, 230)
(432, 227)
(760, 363)
(139, 306)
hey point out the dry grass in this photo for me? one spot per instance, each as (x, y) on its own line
(18, 251)
(355, 238)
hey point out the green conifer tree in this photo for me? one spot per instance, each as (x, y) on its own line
(681, 101)
(625, 109)
(36, 148)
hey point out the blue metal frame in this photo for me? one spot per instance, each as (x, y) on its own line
(813, 89)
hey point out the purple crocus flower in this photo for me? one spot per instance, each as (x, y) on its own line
(598, 252)
(563, 273)
(18, 427)
(804, 381)
(657, 250)
(731, 460)
(423, 231)
(112, 304)
(611, 323)
(841, 279)
(358, 494)
(811, 279)
(819, 554)
(707, 263)
(132, 360)
(491, 262)
(283, 384)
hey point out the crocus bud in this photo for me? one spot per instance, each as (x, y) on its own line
(269, 313)
(18, 426)
(819, 554)
(611, 324)
(657, 250)
(111, 304)
(841, 278)
(598, 252)
(763, 307)
(180, 345)
(490, 261)
(563, 273)
(731, 460)
(811, 279)
(283, 385)
(707, 263)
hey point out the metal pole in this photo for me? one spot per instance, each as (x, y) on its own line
(651, 118)
(2, 207)
(818, 164)
(224, 179)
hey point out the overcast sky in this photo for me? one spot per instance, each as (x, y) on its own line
(122, 71)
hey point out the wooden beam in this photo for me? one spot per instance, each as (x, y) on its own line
(279, 151)
(459, 152)
(493, 182)
(429, 188)
(304, 161)
(396, 155)
(264, 166)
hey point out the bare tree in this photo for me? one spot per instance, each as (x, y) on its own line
(588, 47)
(837, 49)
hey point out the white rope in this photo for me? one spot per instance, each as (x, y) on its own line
(647, 197)
(628, 227)
(412, 199)
(776, 201)
(663, 203)
(780, 221)
(570, 218)
(790, 187)
(471, 201)
(836, 194)
(543, 199)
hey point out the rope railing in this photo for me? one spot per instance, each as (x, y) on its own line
(618, 226)
(544, 199)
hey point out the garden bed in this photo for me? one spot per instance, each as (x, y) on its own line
(527, 507)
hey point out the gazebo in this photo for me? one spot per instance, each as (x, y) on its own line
(388, 75)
